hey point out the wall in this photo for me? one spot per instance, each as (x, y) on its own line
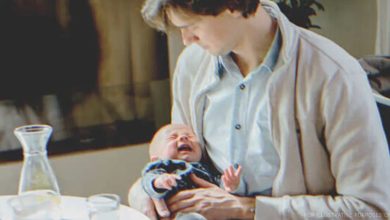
(87, 173)
(350, 23)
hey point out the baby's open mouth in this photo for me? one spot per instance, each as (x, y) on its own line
(184, 147)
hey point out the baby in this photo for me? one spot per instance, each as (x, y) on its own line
(175, 153)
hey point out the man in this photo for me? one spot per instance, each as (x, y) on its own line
(291, 107)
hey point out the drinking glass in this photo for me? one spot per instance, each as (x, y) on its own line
(103, 206)
(31, 207)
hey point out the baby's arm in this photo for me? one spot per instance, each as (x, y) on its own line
(166, 181)
(231, 178)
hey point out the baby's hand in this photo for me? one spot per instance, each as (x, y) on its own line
(166, 181)
(231, 178)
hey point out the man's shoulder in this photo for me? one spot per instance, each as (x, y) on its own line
(193, 56)
(324, 52)
(194, 66)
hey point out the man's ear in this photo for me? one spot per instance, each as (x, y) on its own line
(234, 13)
(153, 158)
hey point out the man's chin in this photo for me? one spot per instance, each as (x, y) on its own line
(212, 52)
(209, 50)
(217, 53)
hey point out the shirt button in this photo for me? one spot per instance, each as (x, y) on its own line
(238, 126)
(242, 86)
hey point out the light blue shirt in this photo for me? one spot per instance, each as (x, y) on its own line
(237, 121)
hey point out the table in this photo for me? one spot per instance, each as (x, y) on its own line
(75, 208)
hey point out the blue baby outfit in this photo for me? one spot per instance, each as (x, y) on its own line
(179, 167)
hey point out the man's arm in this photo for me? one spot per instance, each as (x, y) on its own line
(358, 155)
(212, 202)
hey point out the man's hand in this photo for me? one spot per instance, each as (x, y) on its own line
(212, 202)
(141, 201)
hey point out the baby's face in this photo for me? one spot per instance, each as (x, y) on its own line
(179, 142)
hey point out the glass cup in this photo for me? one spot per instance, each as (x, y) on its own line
(103, 206)
(31, 207)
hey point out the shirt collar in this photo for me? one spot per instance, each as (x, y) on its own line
(225, 62)
(272, 56)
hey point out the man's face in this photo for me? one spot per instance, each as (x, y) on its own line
(179, 142)
(213, 33)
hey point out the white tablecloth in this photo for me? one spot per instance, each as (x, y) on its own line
(75, 208)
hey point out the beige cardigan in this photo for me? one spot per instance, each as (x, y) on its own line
(341, 168)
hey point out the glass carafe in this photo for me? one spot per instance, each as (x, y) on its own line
(37, 176)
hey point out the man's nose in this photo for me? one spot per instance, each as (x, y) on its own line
(188, 37)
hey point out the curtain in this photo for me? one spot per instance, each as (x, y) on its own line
(116, 64)
(128, 59)
(383, 28)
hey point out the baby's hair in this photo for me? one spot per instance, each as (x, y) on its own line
(154, 145)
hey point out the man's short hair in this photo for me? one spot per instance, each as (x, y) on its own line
(154, 11)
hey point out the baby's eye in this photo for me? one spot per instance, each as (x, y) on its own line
(189, 134)
(172, 137)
